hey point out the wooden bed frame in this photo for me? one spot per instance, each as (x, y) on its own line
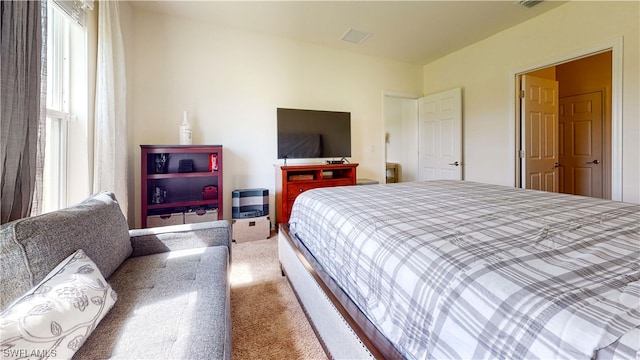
(346, 333)
(343, 330)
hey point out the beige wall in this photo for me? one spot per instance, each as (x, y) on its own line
(546, 73)
(232, 82)
(584, 75)
(484, 70)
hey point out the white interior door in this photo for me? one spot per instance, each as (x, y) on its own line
(440, 140)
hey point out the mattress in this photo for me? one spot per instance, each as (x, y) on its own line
(455, 269)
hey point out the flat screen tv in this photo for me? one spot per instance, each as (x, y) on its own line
(306, 134)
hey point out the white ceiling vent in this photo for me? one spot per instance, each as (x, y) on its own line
(529, 3)
(355, 36)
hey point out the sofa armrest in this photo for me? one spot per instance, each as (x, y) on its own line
(179, 237)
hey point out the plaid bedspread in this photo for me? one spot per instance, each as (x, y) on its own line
(463, 270)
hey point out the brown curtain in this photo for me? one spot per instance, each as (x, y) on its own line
(22, 103)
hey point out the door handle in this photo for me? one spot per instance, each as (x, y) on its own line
(594, 162)
(455, 163)
(555, 165)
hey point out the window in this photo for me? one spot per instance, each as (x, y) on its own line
(65, 167)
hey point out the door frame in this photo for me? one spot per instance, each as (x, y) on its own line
(616, 47)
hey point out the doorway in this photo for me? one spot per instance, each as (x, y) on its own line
(423, 136)
(583, 143)
(400, 136)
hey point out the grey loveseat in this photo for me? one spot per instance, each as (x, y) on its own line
(173, 299)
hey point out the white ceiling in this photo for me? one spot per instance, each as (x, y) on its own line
(410, 31)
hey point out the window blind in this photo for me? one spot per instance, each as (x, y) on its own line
(75, 9)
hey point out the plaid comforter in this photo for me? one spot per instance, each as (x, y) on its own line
(462, 270)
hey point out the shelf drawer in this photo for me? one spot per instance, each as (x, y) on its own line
(194, 217)
(339, 182)
(165, 219)
(295, 189)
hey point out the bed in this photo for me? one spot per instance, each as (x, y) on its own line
(457, 269)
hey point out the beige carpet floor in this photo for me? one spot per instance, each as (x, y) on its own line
(267, 320)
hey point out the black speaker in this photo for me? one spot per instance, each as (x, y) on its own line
(185, 166)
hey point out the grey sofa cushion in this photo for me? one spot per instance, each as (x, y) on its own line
(32, 246)
(178, 237)
(172, 305)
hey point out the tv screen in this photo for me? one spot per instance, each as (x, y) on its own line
(304, 134)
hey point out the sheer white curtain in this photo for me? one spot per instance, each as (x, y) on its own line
(110, 130)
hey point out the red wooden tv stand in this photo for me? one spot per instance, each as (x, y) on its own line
(293, 180)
